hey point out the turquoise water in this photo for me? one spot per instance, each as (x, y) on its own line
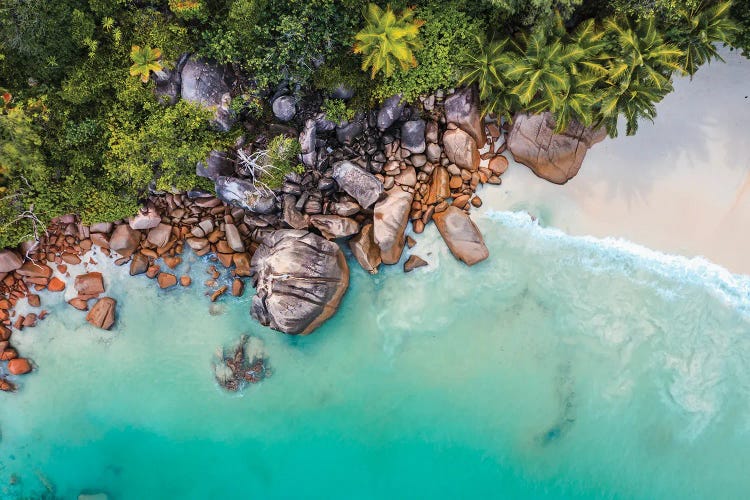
(561, 367)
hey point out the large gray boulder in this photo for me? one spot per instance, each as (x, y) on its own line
(169, 81)
(347, 132)
(390, 111)
(412, 136)
(358, 183)
(284, 108)
(9, 261)
(462, 235)
(554, 157)
(462, 108)
(204, 83)
(216, 165)
(391, 215)
(299, 279)
(243, 193)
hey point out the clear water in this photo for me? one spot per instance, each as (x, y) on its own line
(561, 367)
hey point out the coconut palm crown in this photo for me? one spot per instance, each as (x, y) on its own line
(144, 60)
(388, 41)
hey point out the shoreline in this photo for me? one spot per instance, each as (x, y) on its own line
(680, 186)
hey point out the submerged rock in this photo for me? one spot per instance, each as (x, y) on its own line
(102, 315)
(245, 363)
(554, 157)
(462, 235)
(299, 278)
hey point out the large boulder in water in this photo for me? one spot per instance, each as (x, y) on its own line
(102, 315)
(462, 235)
(243, 193)
(390, 218)
(554, 157)
(358, 183)
(299, 279)
(204, 83)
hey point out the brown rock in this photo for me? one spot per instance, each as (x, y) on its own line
(70, 258)
(152, 271)
(185, 280)
(439, 187)
(29, 320)
(172, 262)
(413, 262)
(218, 293)
(390, 218)
(159, 235)
(476, 201)
(410, 242)
(32, 270)
(10, 260)
(334, 226)
(554, 157)
(242, 264)
(19, 366)
(456, 182)
(461, 149)
(34, 300)
(124, 240)
(79, 304)
(102, 315)
(166, 280)
(91, 284)
(139, 264)
(56, 285)
(462, 235)
(8, 354)
(238, 287)
(498, 165)
(365, 250)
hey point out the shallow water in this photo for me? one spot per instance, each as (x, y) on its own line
(562, 366)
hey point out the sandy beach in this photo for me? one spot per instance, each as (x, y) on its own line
(681, 185)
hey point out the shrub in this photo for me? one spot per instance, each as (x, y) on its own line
(447, 32)
(337, 111)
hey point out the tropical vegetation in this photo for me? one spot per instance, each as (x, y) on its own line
(81, 129)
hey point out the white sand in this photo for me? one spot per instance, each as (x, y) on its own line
(681, 185)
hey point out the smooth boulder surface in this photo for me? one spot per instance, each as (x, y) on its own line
(333, 226)
(299, 279)
(390, 111)
(358, 183)
(462, 108)
(461, 149)
(9, 261)
(19, 366)
(203, 83)
(389, 224)
(412, 136)
(102, 315)
(159, 235)
(242, 193)
(124, 240)
(462, 235)
(146, 218)
(307, 139)
(365, 250)
(284, 108)
(89, 283)
(554, 157)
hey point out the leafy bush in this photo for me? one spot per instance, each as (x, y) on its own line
(387, 40)
(447, 32)
(337, 111)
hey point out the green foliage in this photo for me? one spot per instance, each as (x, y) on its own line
(164, 148)
(277, 40)
(145, 60)
(740, 14)
(700, 29)
(337, 111)
(447, 33)
(388, 41)
(282, 155)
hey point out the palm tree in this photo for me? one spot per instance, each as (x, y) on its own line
(538, 67)
(144, 60)
(387, 40)
(577, 102)
(639, 74)
(706, 26)
(486, 69)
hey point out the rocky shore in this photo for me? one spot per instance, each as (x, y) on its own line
(364, 182)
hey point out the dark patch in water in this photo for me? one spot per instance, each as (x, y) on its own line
(567, 417)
